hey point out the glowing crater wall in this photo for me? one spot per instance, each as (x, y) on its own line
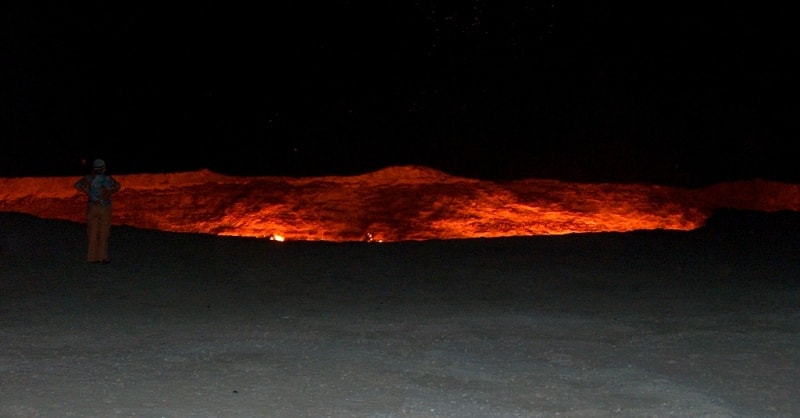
(394, 204)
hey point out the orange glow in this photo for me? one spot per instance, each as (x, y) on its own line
(394, 204)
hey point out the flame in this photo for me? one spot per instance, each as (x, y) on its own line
(394, 204)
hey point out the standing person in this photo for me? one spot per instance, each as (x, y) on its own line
(99, 187)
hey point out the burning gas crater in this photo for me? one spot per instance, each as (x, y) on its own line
(394, 204)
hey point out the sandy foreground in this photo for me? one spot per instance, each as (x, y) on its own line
(704, 323)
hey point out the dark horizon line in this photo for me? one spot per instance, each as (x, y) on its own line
(491, 171)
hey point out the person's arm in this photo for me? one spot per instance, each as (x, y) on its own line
(82, 185)
(110, 186)
(115, 186)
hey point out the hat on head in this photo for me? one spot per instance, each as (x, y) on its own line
(98, 163)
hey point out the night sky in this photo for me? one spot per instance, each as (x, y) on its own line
(579, 91)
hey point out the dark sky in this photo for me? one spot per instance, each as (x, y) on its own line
(597, 91)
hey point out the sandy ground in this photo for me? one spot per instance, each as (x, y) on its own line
(642, 324)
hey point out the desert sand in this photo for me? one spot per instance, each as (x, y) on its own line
(643, 323)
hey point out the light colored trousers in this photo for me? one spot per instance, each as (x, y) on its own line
(98, 227)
